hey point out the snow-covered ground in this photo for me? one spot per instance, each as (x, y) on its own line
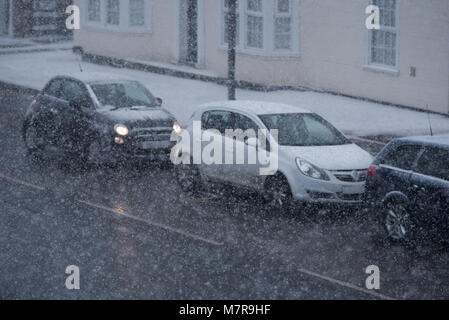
(183, 96)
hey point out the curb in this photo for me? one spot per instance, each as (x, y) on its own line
(122, 63)
(4, 53)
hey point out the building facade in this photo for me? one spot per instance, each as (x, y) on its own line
(33, 18)
(322, 44)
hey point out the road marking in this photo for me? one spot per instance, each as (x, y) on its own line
(123, 213)
(367, 140)
(24, 183)
(345, 284)
(152, 223)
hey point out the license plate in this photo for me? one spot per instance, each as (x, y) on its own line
(155, 144)
(353, 189)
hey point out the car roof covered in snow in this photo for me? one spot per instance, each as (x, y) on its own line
(255, 107)
(94, 77)
(437, 139)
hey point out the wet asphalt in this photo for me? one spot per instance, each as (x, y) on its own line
(135, 235)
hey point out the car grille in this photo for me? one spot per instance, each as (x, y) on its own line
(351, 175)
(151, 134)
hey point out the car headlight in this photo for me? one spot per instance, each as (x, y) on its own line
(310, 170)
(121, 129)
(177, 128)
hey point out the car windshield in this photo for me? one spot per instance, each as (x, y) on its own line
(123, 95)
(303, 129)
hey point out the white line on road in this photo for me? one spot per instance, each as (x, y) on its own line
(152, 223)
(196, 237)
(24, 183)
(345, 284)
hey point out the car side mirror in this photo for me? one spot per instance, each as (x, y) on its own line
(159, 101)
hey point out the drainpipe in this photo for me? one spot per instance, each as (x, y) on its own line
(232, 35)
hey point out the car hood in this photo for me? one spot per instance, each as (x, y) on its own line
(344, 157)
(139, 114)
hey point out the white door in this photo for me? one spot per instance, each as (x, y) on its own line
(214, 120)
(4, 17)
(245, 168)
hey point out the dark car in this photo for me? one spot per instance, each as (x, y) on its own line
(98, 119)
(408, 185)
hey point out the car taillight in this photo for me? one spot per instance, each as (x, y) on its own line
(372, 172)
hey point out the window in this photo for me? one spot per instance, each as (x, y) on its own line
(123, 95)
(120, 16)
(402, 157)
(74, 91)
(94, 10)
(267, 27)
(283, 25)
(217, 120)
(434, 163)
(136, 13)
(53, 89)
(303, 129)
(113, 12)
(254, 24)
(383, 42)
(244, 123)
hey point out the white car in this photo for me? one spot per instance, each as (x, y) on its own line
(309, 161)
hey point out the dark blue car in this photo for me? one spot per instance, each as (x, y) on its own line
(408, 187)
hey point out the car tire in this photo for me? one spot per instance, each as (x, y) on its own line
(397, 222)
(188, 177)
(277, 194)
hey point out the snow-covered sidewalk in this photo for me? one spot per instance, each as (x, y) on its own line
(26, 45)
(183, 96)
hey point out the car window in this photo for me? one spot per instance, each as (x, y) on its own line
(53, 89)
(218, 120)
(434, 162)
(244, 123)
(319, 130)
(403, 157)
(303, 129)
(123, 95)
(74, 91)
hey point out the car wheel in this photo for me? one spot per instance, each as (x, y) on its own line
(397, 221)
(188, 177)
(277, 193)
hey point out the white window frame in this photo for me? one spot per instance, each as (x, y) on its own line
(277, 15)
(124, 25)
(378, 67)
(88, 12)
(269, 13)
(256, 14)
